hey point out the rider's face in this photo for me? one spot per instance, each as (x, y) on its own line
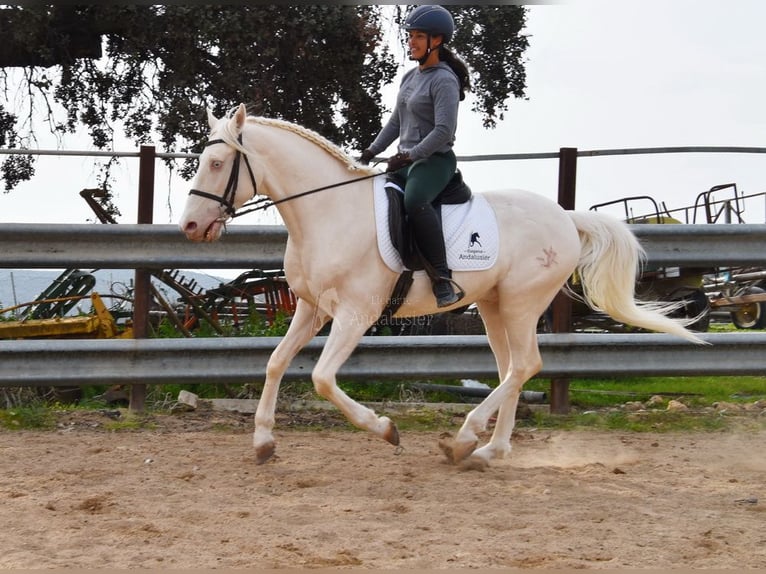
(418, 43)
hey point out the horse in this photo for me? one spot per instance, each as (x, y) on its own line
(334, 266)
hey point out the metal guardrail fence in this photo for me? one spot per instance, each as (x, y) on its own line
(128, 246)
(243, 359)
(131, 246)
(149, 361)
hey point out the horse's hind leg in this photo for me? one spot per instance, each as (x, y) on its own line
(467, 437)
(347, 329)
(304, 325)
(518, 359)
(526, 363)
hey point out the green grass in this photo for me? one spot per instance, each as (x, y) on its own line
(648, 421)
(604, 396)
(27, 417)
(130, 422)
(692, 391)
(425, 420)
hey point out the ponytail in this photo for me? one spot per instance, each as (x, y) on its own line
(457, 66)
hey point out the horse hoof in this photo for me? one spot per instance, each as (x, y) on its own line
(264, 452)
(392, 434)
(474, 462)
(455, 451)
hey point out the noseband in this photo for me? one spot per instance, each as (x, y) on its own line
(227, 200)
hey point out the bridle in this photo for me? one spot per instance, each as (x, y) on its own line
(227, 200)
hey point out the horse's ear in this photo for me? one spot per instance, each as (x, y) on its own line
(211, 119)
(240, 116)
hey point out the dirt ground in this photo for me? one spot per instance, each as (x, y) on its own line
(186, 494)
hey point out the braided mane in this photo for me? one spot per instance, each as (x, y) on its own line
(305, 133)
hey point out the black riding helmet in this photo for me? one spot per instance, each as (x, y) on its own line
(433, 20)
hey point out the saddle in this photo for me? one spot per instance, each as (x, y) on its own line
(455, 192)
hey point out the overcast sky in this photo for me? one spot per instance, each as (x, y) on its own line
(601, 74)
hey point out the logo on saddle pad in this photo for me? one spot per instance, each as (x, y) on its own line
(470, 231)
(475, 250)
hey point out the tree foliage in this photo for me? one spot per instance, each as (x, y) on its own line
(149, 71)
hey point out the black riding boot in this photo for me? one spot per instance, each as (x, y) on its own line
(427, 231)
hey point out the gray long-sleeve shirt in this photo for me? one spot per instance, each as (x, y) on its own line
(425, 116)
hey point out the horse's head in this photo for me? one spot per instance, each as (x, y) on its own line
(216, 189)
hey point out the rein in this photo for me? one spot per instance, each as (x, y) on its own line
(266, 202)
(227, 200)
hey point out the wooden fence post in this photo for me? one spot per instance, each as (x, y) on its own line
(142, 293)
(562, 304)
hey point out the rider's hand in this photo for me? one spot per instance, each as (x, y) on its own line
(366, 157)
(398, 161)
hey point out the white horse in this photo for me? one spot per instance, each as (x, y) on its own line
(333, 265)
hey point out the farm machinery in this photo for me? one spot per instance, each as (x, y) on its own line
(99, 324)
(57, 312)
(260, 291)
(681, 285)
(46, 318)
(738, 293)
(264, 292)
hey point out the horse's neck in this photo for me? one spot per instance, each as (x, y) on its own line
(334, 210)
(301, 167)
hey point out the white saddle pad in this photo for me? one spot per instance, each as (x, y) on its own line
(470, 232)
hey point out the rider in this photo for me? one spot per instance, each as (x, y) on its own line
(425, 121)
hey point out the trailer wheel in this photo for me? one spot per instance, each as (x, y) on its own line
(750, 315)
(695, 305)
(698, 306)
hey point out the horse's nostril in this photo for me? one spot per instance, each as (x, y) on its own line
(190, 227)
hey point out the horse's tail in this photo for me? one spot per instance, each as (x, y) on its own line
(610, 259)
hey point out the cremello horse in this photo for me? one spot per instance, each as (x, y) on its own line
(333, 265)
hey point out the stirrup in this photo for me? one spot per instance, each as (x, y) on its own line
(444, 291)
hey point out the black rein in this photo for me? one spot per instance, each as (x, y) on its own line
(227, 200)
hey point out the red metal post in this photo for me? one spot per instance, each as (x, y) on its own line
(562, 304)
(142, 292)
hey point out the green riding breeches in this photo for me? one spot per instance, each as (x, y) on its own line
(426, 178)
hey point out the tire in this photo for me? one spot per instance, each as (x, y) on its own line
(695, 304)
(750, 315)
(698, 305)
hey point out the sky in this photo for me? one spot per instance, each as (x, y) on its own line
(601, 74)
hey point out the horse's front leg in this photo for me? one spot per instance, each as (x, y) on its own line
(305, 324)
(347, 330)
